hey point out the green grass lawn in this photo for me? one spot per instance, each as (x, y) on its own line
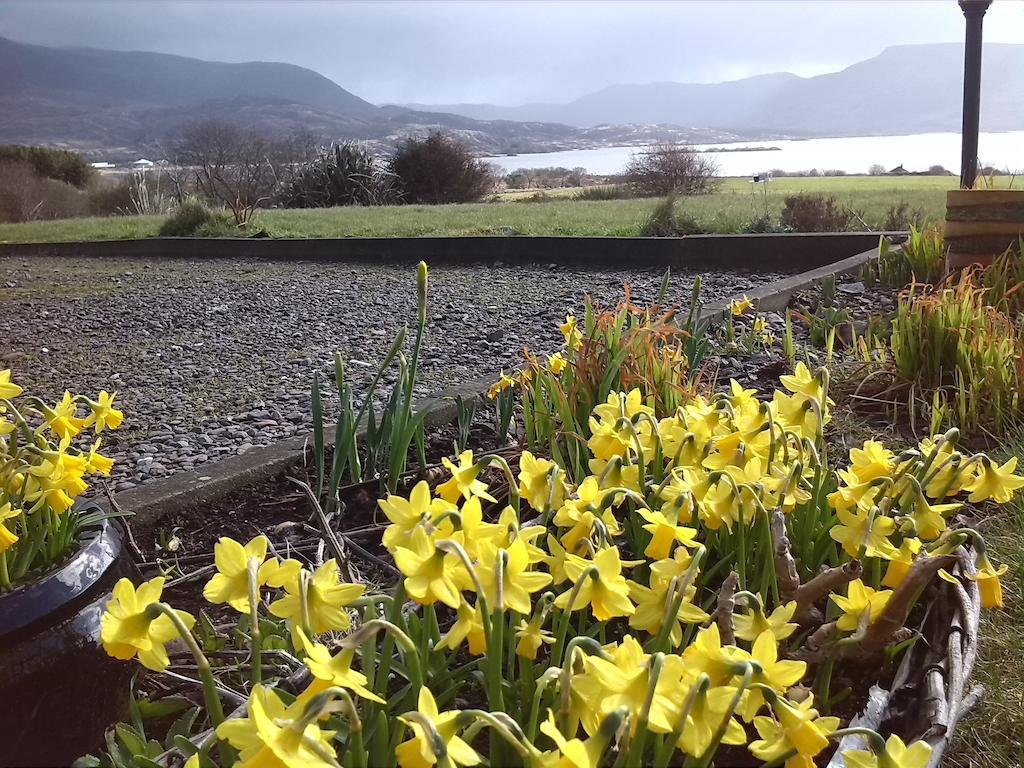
(729, 209)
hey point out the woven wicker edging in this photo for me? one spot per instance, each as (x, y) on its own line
(934, 675)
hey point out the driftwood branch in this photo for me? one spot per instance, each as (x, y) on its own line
(785, 564)
(893, 617)
(726, 608)
(826, 582)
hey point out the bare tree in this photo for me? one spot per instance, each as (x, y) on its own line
(238, 168)
(667, 168)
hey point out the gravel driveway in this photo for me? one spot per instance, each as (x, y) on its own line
(212, 358)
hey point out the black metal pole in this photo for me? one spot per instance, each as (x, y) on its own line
(974, 12)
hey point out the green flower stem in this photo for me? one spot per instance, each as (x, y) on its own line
(410, 653)
(304, 577)
(634, 757)
(255, 635)
(709, 755)
(699, 689)
(5, 579)
(213, 706)
(875, 740)
(550, 675)
(563, 625)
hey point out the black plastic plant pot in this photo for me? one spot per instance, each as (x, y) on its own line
(59, 688)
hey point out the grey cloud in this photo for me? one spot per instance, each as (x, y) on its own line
(508, 52)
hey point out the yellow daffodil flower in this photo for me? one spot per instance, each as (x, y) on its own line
(8, 389)
(859, 532)
(795, 727)
(707, 655)
(779, 675)
(535, 482)
(709, 714)
(272, 736)
(129, 628)
(62, 418)
(556, 363)
(994, 482)
(751, 624)
(463, 482)
(503, 383)
(56, 481)
(652, 605)
(930, 519)
(96, 463)
(7, 537)
(467, 627)
(896, 755)
(231, 582)
(989, 586)
(406, 514)
(860, 600)
(571, 333)
(418, 751)
(624, 681)
(803, 382)
(518, 583)
(740, 307)
(532, 636)
(326, 598)
(664, 534)
(331, 671)
(103, 414)
(900, 562)
(871, 461)
(572, 753)
(430, 573)
(607, 593)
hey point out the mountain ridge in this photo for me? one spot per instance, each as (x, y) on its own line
(927, 77)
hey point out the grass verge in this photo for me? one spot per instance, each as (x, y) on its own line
(736, 203)
(993, 735)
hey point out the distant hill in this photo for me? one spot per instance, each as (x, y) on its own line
(92, 77)
(905, 89)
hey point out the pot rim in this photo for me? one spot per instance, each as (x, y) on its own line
(47, 595)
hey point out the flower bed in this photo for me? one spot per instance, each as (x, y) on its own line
(659, 575)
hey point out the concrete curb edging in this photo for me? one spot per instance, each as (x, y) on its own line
(779, 252)
(206, 485)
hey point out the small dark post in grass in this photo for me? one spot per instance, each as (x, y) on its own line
(974, 12)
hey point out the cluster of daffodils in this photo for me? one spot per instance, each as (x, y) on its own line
(43, 472)
(753, 335)
(655, 612)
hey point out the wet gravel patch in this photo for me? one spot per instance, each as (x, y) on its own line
(212, 358)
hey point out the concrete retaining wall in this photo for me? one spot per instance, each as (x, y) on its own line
(784, 253)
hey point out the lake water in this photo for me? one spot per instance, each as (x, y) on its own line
(852, 154)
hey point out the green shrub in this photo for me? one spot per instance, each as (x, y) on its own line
(439, 169)
(58, 164)
(817, 213)
(344, 174)
(605, 192)
(666, 221)
(900, 217)
(761, 225)
(194, 219)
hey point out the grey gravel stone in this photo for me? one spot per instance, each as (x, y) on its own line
(222, 351)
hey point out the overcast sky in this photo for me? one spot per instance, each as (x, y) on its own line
(509, 52)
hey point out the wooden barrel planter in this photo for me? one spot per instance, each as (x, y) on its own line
(61, 690)
(981, 224)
